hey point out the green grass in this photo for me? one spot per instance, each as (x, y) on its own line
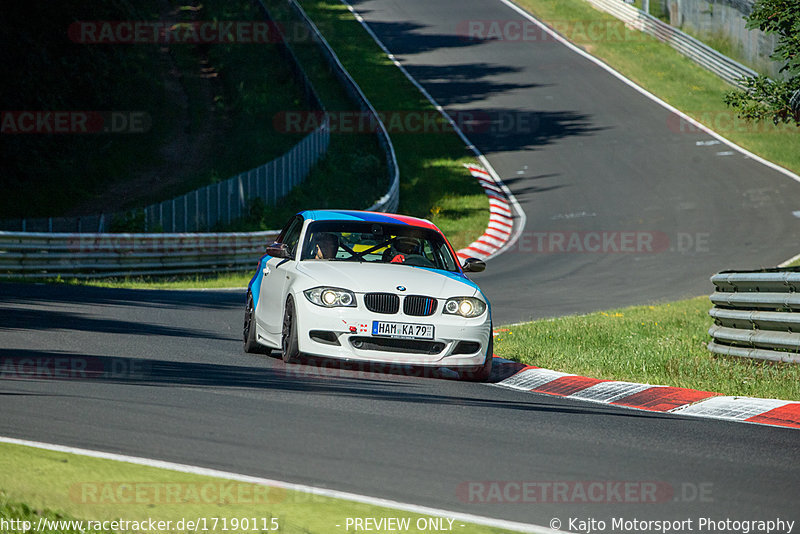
(674, 78)
(246, 85)
(36, 482)
(213, 281)
(434, 183)
(663, 344)
(27, 518)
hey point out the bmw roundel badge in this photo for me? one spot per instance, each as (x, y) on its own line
(401, 288)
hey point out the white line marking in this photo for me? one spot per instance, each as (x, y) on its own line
(608, 392)
(531, 379)
(648, 94)
(325, 492)
(477, 245)
(487, 239)
(521, 217)
(790, 261)
(499, 226)
(736, 408)
(493, 232)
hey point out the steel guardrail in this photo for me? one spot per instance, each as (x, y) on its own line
(726, 68)
(95, 255)
(226, 201)
(47, 255)
(391, 200)
(757, 314)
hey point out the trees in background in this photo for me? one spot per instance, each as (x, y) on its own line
(762, 98)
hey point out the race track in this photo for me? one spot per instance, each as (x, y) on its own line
(585, 153)
(168, 379)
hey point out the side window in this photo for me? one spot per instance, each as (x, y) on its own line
(291, 234)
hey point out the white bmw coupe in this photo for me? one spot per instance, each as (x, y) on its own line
(371, 287)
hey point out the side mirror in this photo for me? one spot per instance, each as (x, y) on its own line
(473, 265)
(278, 250)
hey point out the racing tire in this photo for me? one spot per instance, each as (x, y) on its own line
(289, 344)
(249, 328)
(482, 373)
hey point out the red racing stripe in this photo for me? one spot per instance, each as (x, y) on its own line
(478, 171)
(664, 399)
(787, 415)
(567, 385)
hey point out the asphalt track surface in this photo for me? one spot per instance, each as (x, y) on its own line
(169, 381)
(584, 152)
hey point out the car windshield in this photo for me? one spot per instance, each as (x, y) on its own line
(377, 243)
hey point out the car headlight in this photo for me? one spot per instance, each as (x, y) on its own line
(465, 306)
(330, 297)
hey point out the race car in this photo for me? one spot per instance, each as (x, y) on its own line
(369, 287)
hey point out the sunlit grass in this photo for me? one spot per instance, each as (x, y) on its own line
(40, 483)
(662, 344)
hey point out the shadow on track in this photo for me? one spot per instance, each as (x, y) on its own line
(48, 294)
(332, 379)
(51, 320)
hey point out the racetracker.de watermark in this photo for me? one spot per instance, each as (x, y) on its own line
(55, 367)
(168, 32)
(74, 122)
(581, 491)
(408, 122)
(610, 242)
(213, 492)
(525, 31)
(723, 122)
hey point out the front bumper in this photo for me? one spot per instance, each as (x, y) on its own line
(328, 332)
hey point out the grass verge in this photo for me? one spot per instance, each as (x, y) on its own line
(212, 281)
(667, 74)
(433, 181)
(661, 345)
(37, 482)
(434, 184)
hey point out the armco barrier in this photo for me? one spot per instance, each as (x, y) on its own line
(390, 201)
(224, 202)
(46, 255)
(720, 64)
(79, 255)
(204, 208)
(757, 314)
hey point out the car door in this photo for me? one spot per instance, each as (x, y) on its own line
(274, 284)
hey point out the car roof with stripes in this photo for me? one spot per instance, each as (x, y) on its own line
(367, 216)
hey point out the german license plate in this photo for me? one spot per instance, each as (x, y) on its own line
(402, 330)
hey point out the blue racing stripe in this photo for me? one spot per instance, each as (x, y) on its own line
(254, 287)
(345, 215)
